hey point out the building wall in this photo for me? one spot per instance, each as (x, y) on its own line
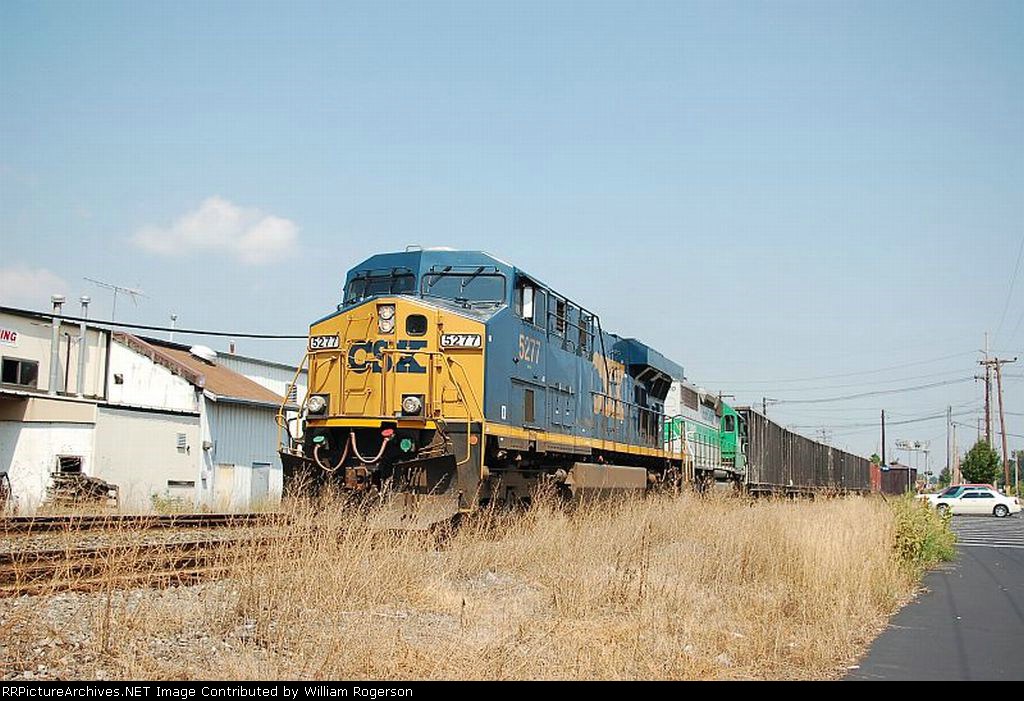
(29, 451)
(273, 376)
(242, 434)
(46, 409)
(146, 384)
(33, 343)
(138, 451)
(244, 455)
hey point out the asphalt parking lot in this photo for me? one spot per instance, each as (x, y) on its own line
(969, 625)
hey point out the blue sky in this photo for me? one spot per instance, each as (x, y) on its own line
(766, 192)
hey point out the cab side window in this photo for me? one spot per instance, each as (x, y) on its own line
(530, 302)
(525, 292)
(729, 423)
(540, 308)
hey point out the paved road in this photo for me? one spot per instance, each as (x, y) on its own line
(970, 623)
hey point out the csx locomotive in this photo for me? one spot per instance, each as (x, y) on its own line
(449, 380)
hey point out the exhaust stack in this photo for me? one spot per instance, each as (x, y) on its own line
(83, 346)
(58, 304)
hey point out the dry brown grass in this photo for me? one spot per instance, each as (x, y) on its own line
(662, 588)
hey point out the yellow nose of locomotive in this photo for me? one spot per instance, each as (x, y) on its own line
(395, 361)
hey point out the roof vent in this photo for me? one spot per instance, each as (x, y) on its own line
(203, 353)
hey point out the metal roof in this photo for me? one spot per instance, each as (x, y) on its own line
(222, 383)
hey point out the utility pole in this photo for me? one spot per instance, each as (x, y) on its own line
(1002, 417)
(949, 436)
(988, 393)
(883, 440)
(956, 460)
(764, 404)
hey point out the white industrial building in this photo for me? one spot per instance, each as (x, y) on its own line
(162, 422)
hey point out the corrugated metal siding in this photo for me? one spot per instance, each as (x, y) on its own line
(242, 434)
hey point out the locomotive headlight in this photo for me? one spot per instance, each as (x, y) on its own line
(385, 318)
(411, 404)
(316, 404)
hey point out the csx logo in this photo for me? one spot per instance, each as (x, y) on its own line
(369, 355)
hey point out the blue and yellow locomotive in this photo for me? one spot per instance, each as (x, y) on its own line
(449, 380)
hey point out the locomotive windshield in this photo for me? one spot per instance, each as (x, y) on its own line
(373, 283)
(465, 286)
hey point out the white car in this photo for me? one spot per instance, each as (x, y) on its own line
(979, 501)
(951, 492)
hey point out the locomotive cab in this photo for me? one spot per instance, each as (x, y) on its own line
(733, 437)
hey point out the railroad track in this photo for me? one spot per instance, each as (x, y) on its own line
(122, 565)
(30, 525)
(116, 551)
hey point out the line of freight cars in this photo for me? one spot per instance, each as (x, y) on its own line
(779, 461)
(742, 446)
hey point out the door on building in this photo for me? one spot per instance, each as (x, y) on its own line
(223, 485)
(259, 488)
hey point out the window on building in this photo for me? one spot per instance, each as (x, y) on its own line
(182, 442)
(69, 464)
(293, 394)
(528, 408)
(16, 371)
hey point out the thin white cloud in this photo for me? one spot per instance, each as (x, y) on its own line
(249, 235)
(23, 286)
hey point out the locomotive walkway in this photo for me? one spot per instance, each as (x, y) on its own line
(970, 623)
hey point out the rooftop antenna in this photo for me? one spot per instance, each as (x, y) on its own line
(130, 291)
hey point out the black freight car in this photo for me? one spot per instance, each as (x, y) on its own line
(782, 462)
(899, 479)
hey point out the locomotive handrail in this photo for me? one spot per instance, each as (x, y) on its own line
(343, 370)
(281, 419)
(449, 361)
(458, 387)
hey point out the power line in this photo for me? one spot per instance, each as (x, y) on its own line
(852, 374)
(876, 393)
(775, 390)
(1012, 435)
(873, 410)
(146, 327)
(874, 424)
(1009, 293)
